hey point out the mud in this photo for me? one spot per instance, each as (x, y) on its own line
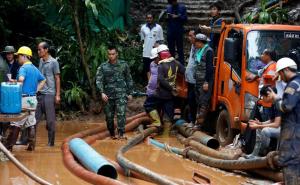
(47, 161)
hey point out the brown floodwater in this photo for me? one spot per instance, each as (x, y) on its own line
(47, 163)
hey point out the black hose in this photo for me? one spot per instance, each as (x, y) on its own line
(125, 163)
(204, 149)
(198, 136)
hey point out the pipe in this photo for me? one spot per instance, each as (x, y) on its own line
(73, 166)
(270, 174)
(125, 163)
(145, 178)
(261, 162)
(204, 149)
(197, 135)
(91, 159)
(21, 167)
(164, 146)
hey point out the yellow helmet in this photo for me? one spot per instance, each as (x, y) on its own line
(24, 50)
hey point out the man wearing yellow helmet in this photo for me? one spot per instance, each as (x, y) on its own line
(32, 81)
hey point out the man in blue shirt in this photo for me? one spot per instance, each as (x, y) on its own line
(176, 17)
(32, 81)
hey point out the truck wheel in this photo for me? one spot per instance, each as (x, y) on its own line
(223, 129)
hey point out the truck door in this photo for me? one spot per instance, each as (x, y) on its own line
(229, 84)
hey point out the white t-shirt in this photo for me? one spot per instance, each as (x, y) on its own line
(150, 37)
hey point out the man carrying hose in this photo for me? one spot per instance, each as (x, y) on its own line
(113, 79)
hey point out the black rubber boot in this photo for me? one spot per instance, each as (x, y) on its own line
(31, 138)
(51, 138)
(23, 138)
(13, 133)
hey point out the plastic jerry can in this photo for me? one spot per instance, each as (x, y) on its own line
(10, 98)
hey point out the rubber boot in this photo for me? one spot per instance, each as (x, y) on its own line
(24, 137)
(121, 135)
(12, 137)
(201, 115)
(31, 138)
(51, 138)
(156, 119)
(256, 150)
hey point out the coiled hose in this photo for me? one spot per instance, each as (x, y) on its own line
(125, 163)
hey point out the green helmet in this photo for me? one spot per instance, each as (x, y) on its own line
(9, 49)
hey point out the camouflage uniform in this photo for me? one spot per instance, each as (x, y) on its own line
(289, 149)
(115, 81)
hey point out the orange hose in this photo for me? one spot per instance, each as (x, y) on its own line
(73, 166)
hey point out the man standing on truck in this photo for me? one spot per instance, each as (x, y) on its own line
(268, 57)
(215, 21)
(204, 76)
(289, 105)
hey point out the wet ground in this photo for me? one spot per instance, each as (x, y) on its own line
(47, 163)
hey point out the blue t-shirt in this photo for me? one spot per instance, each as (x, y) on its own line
(32, 77)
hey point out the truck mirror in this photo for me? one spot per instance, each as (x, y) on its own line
(231, 50)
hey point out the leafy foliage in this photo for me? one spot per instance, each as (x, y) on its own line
(264, 15)
(31, 21)
(76, 95)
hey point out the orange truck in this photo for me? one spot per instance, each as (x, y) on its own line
(238, 55)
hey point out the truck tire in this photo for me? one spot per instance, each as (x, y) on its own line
(224, 131)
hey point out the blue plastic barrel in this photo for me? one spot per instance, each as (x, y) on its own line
(91, 159)
(10, 98)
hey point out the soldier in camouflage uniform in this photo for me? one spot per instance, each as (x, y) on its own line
(115, 84)
(204, 76)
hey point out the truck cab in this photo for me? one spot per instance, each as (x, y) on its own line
(238, 55)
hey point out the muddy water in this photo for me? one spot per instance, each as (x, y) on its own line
(47, 162)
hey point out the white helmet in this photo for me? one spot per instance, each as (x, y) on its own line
(284, 63)
(162, 47)
(154, 53)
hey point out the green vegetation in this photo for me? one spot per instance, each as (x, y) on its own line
(265, 15)
(80, 33)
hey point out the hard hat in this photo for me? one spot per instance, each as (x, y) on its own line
(154, 53)
(284, 63)
(24, 50)
(201, 37)
(9, 49)
(162, 47)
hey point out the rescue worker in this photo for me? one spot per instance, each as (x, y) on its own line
(151, 34)
(49, 96)
(215, 21)
(265, 129)
(113, 79)
(168, 68)
(150, 104)
(268, 57)
(13, 65)
(32, 82)
(190, 79)
(204, 77)
(176, 17)
(289, 105)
